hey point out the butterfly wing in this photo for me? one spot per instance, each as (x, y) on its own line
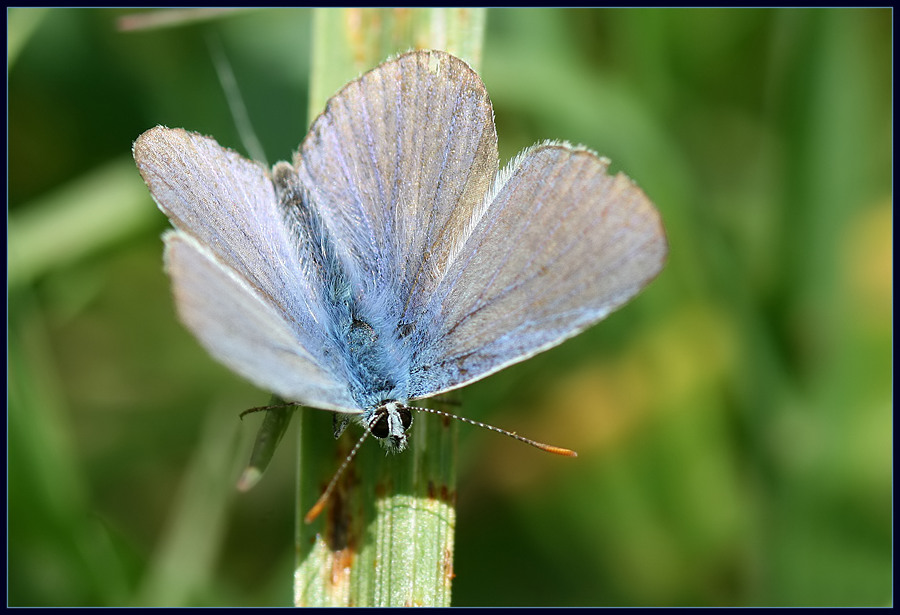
(243, 331)
(396, 166)
(241, 283)
(561, 244)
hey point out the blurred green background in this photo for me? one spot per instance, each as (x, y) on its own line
(734, 422)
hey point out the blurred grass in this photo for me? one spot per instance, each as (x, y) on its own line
(733, 423)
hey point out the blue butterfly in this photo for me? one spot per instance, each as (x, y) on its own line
(392, 261)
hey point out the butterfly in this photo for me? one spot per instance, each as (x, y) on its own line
(392, 260)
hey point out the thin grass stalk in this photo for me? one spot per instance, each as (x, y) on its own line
(386, 536)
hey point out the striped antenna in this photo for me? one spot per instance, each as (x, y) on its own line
(556, 450)
(319, 506)
(323, 499)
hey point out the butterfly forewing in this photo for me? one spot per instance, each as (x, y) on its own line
(228, 204)
(398, 165)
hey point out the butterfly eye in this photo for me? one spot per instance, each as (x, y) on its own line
(380, 426)
(405, 418)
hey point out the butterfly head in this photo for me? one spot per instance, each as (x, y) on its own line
(389, 423)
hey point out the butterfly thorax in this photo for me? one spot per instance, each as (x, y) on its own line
(376, 370)
(364, 335)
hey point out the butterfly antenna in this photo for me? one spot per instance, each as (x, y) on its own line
(323, 499)
(556, 450)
